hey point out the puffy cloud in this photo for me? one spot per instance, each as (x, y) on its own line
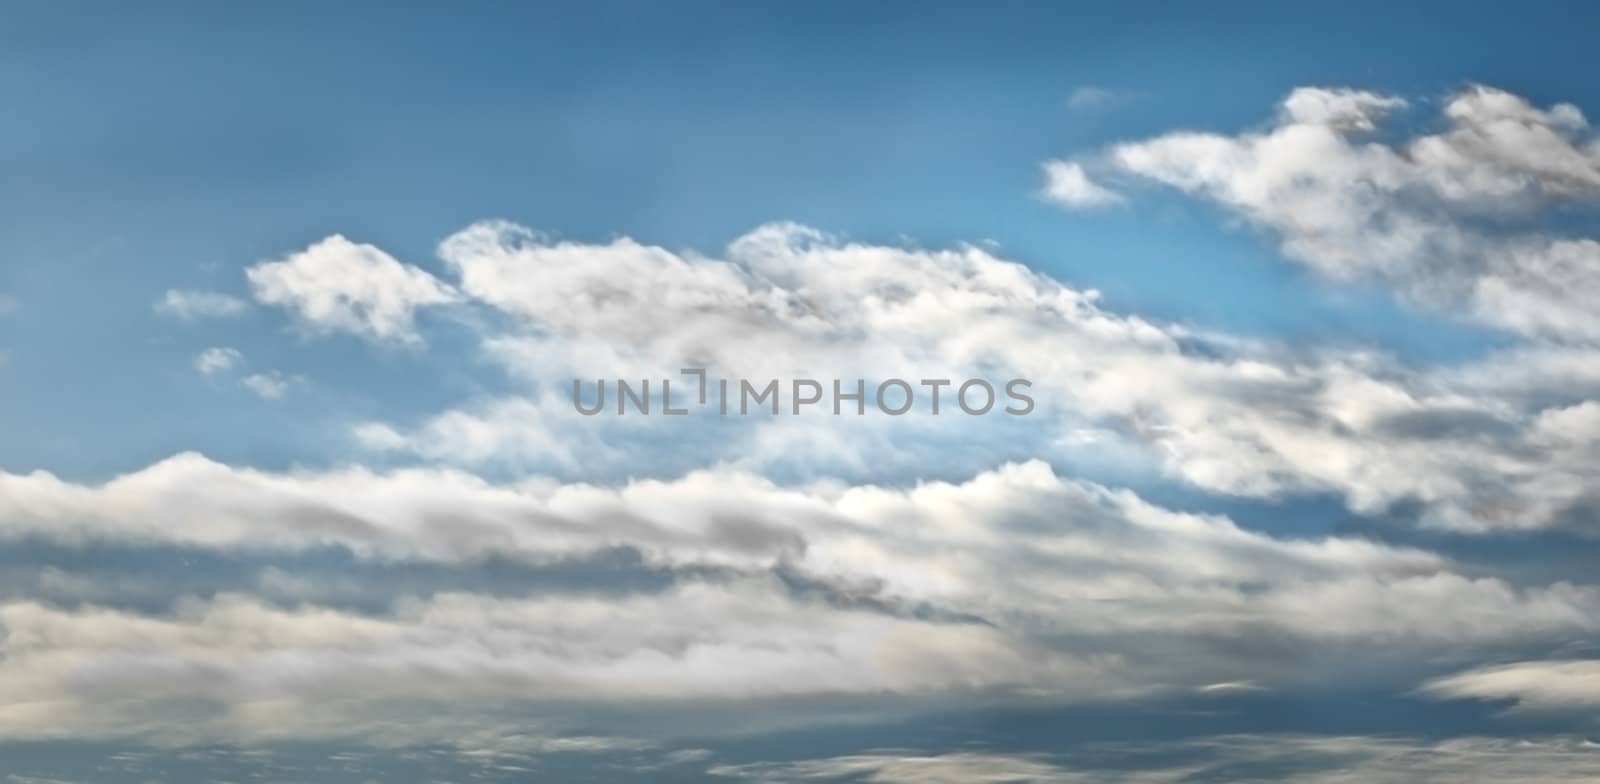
(190, 305)
(1494, 443)
(1346, 110)
(1454, 219)
(1066, 183)
(337, 284)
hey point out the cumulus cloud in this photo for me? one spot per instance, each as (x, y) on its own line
(1067, 184)
(1500, 442)
(337, 284)
(1455, 218)
(191, 305)
(1345, 110)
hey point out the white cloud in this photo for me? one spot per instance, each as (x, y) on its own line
(190, 500)
(337, 284)
(903, 768)
(515, 431)
(190, 305)
(1345, 110)
(1572, 685)
(217, 360)
(1066, 183)
(271, 385)
(1453, 219)
(1495, 443)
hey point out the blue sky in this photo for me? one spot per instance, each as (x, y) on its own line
(290, 296)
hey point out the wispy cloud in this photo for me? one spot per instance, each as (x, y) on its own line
(217, 360)
(1089, 98)
(270, 385)
(191, 305)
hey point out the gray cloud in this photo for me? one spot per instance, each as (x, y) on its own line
(1015, 583)
(1298, 759)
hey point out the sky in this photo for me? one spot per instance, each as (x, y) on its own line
(293, 487)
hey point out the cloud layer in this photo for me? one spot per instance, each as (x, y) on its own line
(1500, 442)
(1015, 582)
(506, 562)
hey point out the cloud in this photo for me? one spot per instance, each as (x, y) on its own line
(1294, 759)
(1094, 99)
(517, 431)
(217, 360)
(1067, 184)
(717, 516)
(515, 755)
(271, 385)
(1564, 685)
(337, 285)
(191, 305)
(1498, 442)
(268, 385)
(1343, 110)
(234, 669)
(15, 779)
(1014, 582)
(892, 768)
(1455, 219)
